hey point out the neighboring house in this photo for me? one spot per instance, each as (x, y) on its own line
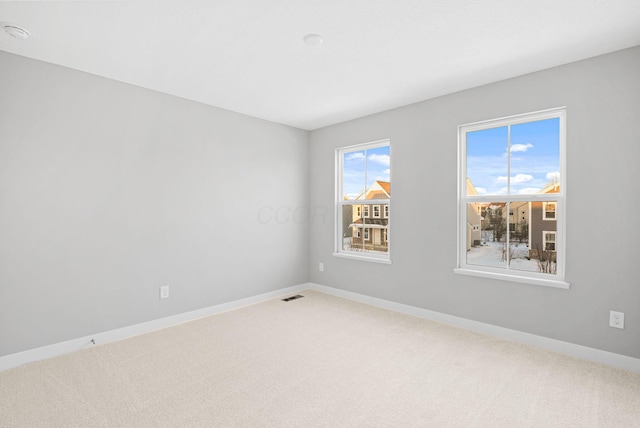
(543, 224)
(370, 221)
(474, 219)
(518, 221)
(533, 223)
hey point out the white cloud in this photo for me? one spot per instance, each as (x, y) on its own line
(481, 190)
(354, 156)
(520, 147)
(518, 178)
(522, 178)
(553, 176)
(381, 159)
(387, 171)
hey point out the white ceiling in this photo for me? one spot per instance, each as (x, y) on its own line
(248, 55)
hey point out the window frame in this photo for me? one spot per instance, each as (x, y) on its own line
(340, 202)
(536, 278)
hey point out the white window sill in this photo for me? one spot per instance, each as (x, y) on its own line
(514, 278)
(362, 258)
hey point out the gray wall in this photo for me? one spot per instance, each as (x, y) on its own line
(603, 236)
(108, 191)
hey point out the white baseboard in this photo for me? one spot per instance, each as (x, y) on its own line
(56, 349)
(579, 351)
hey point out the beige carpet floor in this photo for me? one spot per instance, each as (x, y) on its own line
(319, 361)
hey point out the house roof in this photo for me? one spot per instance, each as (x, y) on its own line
(552, 188)
(378, 190)
(386, 186)
(471, 189)
(370, 222)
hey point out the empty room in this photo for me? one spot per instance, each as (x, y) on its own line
(286, 213)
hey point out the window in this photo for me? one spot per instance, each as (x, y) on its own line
(508, 166)
(363, 173)
(548, 210)
(549, 241)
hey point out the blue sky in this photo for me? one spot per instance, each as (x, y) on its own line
(535, 157)
(374, 163)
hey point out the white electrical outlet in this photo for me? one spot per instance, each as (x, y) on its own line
(616, 319)
(164, 292)
(321, 267)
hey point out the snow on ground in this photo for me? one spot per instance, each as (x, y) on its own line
(490, 254)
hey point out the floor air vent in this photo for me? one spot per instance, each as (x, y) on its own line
(297, 296)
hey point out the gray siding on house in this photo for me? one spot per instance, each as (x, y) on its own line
(538, 226)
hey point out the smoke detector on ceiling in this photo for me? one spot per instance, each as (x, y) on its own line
(15, 31)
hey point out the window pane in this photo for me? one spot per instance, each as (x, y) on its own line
(352, 224)
(353, 174)
(487, 234)
(533, 244)
(535, 157)
(378, 166)
(486, 161)
(497, 244)
(363, 234)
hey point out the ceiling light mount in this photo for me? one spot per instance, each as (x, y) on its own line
(15, 31)
(313, 39)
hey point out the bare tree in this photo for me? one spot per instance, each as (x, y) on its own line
(546, 261)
